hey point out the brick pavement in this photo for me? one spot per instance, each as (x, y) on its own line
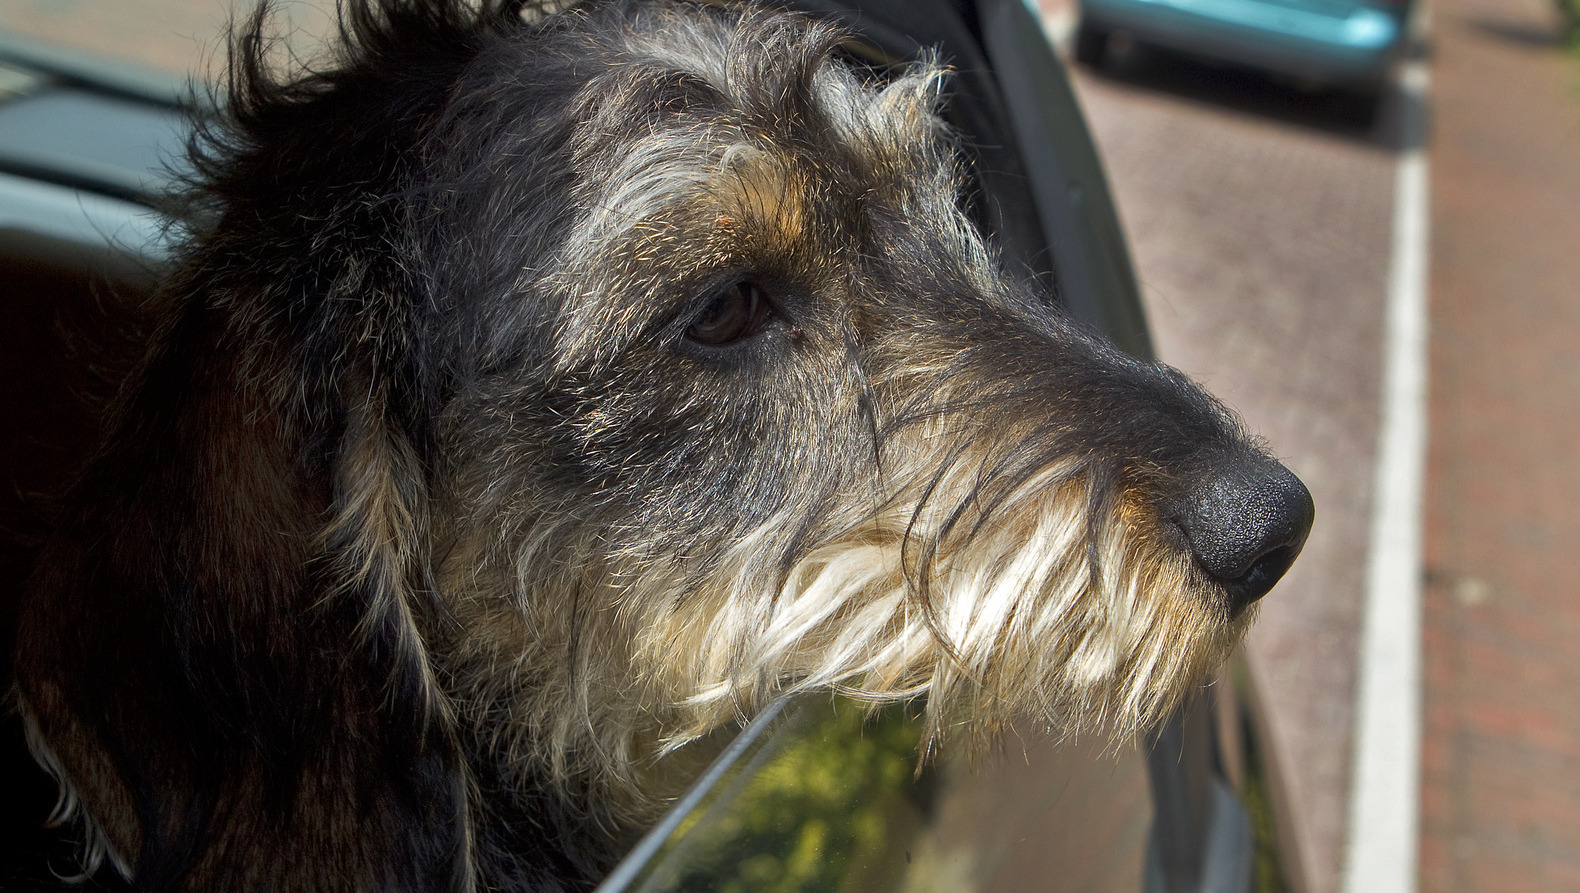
(1501, 797)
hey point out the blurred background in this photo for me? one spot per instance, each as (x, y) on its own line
(1271, 222)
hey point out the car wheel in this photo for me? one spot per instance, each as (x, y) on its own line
(1091, 45)
(1358, 107)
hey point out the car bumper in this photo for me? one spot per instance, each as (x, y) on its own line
(1349, 45)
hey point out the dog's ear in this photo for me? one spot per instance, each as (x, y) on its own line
(222, 651)
(378, 554)
(377, 544)
(223, 648)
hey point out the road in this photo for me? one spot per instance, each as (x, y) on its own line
(1261, 230)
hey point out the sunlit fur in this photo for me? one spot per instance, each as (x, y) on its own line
(428, 538)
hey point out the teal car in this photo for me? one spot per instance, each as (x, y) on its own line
(1351, 45)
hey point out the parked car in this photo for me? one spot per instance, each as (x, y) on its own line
(1349, 45)
(817, 793)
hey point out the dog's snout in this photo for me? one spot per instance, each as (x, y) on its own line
(1246, 528)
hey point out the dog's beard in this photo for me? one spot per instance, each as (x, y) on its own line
(996, 607)
(988, 595)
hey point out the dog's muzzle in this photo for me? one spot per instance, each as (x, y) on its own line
(1246, 525)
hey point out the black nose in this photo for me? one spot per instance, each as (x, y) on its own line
(1246, 525)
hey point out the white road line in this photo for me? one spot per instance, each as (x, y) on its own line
(1382, 851)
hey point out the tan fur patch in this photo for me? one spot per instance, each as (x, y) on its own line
(759, 189)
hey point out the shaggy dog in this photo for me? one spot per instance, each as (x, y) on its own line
(539, 390)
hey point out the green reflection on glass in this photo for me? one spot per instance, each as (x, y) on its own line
(830, 808)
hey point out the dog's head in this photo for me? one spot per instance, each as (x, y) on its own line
(750, 404)
(540, 392)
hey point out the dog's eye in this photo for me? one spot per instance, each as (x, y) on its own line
(739, 312)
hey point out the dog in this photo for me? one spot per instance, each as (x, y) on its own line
(540, 390)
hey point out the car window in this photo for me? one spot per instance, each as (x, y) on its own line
(826, 794)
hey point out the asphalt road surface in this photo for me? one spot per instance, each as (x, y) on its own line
(1260, 217)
